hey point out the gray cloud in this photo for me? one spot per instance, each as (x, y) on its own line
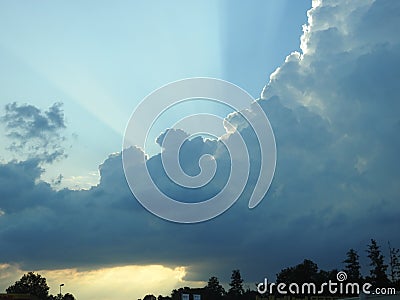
(35, 132)
(334, 111)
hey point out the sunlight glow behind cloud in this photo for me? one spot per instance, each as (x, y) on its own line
(122, 282)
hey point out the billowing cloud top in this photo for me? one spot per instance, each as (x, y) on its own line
(335, 115)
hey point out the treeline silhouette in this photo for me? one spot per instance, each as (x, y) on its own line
(381, 275)
(36, 285)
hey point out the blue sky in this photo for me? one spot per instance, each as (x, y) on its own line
(100, 60)
(330, 94)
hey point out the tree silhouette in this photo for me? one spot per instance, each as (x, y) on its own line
(161, 297)
(236, 290)
(213, 289)
(176, 293)
(325, 276)
(377, 262)
(352, 267)
(304, 272)
(149, 297)
(30, 283)
(394, 266)
(68, 296)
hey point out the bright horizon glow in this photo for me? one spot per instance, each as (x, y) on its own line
(122, 282)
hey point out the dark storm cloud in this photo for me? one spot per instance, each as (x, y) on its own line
(35, 132)
(335, 115)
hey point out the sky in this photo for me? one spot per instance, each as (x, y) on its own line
(71, 75)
